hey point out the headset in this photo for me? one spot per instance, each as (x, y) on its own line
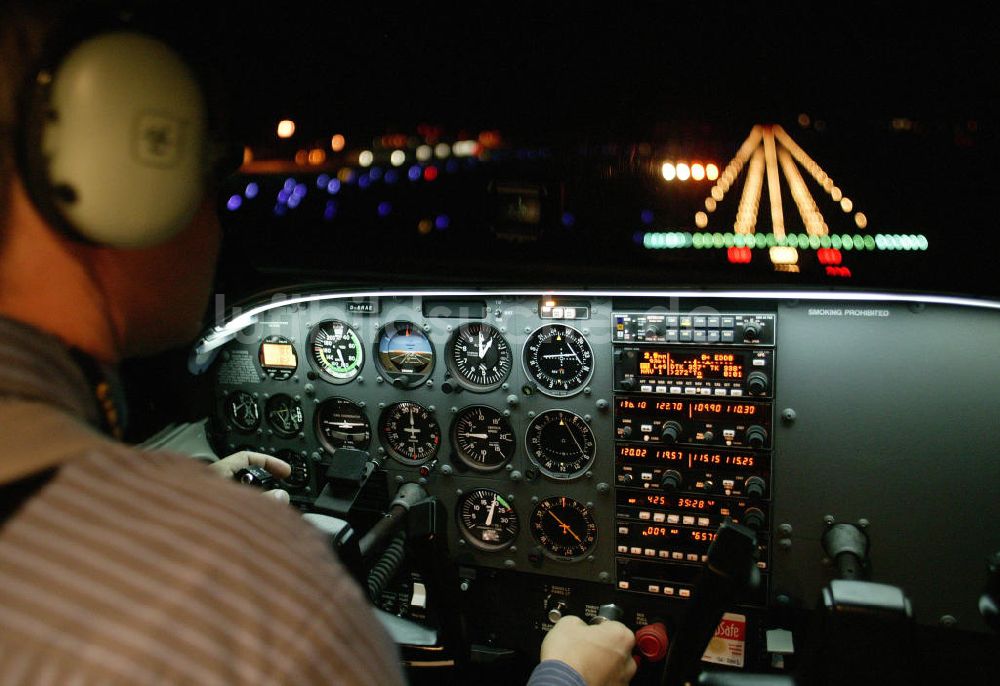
(116, 139)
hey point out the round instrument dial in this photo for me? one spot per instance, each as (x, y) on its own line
(342, 423)
(559, 359)
(403, 354)
(479, 357)
(300, 469)
(335, 351)
(409, 432)
(277, 357)
(564, 528)
(486, 520)
(284, 415)
(561, 443)
(243, 411)
(483, 438)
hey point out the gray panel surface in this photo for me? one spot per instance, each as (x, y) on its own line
(896, 422)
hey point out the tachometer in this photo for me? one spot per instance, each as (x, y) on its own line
(559, 359)
(409, 432)
(335, 351)
(561, 444)
(479, 357)
(483, 438)
(284, 415)
(342, 423)
(564, 528)
(486, 520)
(404, 355)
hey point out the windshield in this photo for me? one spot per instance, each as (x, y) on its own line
(682, 146)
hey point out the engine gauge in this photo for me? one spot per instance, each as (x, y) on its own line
(479, 357)
(277, 357)
(300, 469)
(403, 354)
(284, 415)
(342, 423)
(564, 528)
(243, 411)
(559, 359)
(561, 443)
(335, 351)
(409, 432)
(483, 438)
(486, 520)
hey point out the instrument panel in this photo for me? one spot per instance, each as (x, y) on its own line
(587, 446)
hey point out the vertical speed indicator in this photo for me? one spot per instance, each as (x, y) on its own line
(559, 359)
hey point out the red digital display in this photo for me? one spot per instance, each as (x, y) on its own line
(692, 409)
(691, 458)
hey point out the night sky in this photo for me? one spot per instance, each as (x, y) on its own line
(668, 73)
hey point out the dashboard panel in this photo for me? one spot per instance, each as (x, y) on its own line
(587, 445)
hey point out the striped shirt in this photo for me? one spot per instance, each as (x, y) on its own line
(145, 568)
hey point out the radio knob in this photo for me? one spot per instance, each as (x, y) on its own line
(626, 431)
(651, 332)
(753, 518)
(628, 384)
(757, 383)
(671, 480)
(751, 332)
(754, 487)
(670, 432)
(756, 436)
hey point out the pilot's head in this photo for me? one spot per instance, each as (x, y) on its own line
(104, 220)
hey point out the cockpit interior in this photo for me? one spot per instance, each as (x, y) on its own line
(687, 319)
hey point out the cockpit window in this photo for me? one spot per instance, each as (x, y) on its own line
(681, 146)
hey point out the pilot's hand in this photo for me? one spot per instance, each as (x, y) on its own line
(228, 466)
(601, 653)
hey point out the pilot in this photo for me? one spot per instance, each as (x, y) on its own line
(122, 566)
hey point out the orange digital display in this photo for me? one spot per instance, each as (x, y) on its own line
(692, 409)
(711, 366)
(659, 531)
(278, 355)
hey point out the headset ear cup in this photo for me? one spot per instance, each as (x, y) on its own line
(116, 141)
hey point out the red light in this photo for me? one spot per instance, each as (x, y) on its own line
(739, 255)
(430, 173)
(843, 272)
(828, 256)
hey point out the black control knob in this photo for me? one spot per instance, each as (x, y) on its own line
(670, 432)
(610, 612)
(757, 383)
(751, 332)
(626, 431)
(671, 480)
(628, 384)
(753, 518)
(756, 436)
(754, 487)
